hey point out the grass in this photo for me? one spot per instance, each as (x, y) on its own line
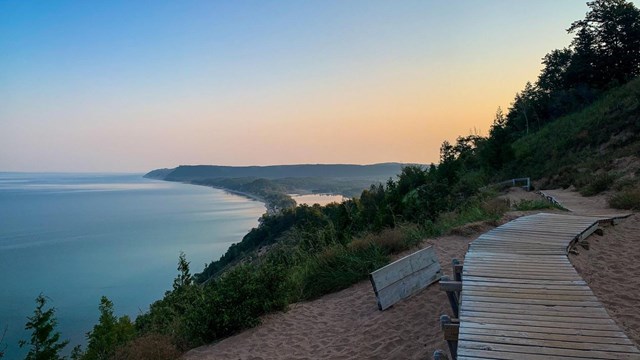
(337, 268)
(628, 199)
(597, 184)
(529, 205)
(478, 209)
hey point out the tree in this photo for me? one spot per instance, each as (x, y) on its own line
(552, 78)
(184, 278)
(45, 342)
(109, 333)
(610, 34)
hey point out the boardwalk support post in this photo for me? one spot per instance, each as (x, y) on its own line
(456, 269)
(452, 288)
(450, 329)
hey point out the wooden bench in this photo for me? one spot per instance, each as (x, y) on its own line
(405, 277)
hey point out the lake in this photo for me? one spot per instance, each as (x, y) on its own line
(76, 237)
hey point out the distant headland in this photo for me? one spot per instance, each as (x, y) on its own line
(273, 184)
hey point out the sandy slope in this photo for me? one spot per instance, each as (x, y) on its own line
(580, 205)
(348, 324)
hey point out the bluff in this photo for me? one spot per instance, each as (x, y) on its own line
(379, 172)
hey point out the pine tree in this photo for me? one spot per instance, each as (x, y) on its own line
(45, 341)
(110, 333)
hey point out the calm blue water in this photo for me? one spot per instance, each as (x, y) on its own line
(77, 237)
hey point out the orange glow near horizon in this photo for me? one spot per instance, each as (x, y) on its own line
(324, 82)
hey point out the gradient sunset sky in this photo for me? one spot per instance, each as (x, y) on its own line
(137, 85)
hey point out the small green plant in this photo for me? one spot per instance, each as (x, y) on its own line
(628, 199)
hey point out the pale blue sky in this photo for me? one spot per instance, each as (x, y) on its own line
(136, 85)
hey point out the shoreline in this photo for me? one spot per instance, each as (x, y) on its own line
(235, 192)
(269, 208)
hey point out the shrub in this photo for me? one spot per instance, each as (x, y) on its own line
(628, 199)
(338, 267)
(390, 241)
(598, 184)
(528, 205)
(148, 347)
(494, 207)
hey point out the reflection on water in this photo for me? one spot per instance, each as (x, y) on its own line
(78, 237)
(321, 199)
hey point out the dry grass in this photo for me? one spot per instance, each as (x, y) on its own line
(628, 199)
(391, 241)
(149, 347)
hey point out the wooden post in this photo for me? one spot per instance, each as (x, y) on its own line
(457, 269)
(440, 355)
(453, 298)
(450, 331)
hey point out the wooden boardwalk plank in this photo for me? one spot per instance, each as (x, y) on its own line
(552, 343)
(523, 300)
(590, 354)
(545, 336)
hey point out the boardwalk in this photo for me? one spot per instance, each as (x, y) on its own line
(522, 299)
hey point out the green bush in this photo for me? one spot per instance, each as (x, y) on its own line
(598, 184)
(338, 267)
(193, 314)
(628, 199)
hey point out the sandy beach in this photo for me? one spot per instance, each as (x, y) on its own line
(348, 324)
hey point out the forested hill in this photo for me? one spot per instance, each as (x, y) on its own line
(379, 172)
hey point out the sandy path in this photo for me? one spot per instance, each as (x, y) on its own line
(348, 324)
(612, 270)
(610, 266)
(578, 204)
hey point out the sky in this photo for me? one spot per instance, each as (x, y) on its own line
(130, 86)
